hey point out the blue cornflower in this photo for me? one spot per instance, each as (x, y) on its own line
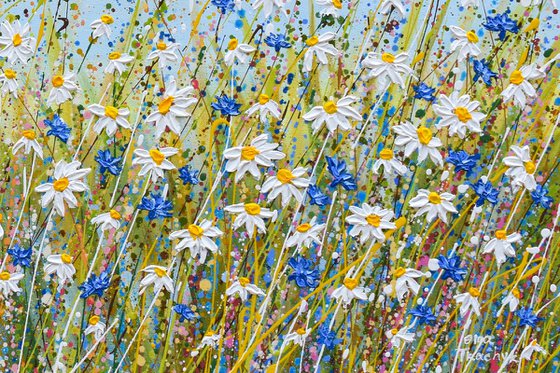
(184, 312)
(540, 197)
(527, 318)
(502, 24)
(107, 162)
(424, 315)
(188, 176)
(277, 41)
(423, 91)
(95, 285)
(224, 5)
(20, 255)
(226, 105)
(462, 160)
(485, 192)
(58, 129)
(317, 196)
(482, 70)
(156, 206)
(451, 268)
(327, 337)
(337, 168)
(304, 274)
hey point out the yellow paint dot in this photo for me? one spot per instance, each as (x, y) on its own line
(205, 285)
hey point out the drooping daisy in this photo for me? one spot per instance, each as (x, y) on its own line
(404, 280)
(269, 5)
(154, 161)
(243, 287)
(9, 283)
(305, 234)
(298, 336)
(95, 327)
(67, 180)
(248, 158)
(349, 290)
(521, 168)
(387, 68)
(399, 337)
(101, 26)
(335, 115)
(27, 142)
(395, 5)
(370, 222)
(465, 42)
(250, 215)
(286, 183)
(108, 220)
(520, 89)
(390, 164)
(62, 88)
(458, 113)
(9, 82)
(265, 105)
(199, 239)
(532, 347)
(512, 300)
(501, 246)
(172, 109)
(61, 264)
(110, 118)
(331, 7)
(164, 53)
(117, 62)
(319, 46)
(433, 204)
(238, 51)
(469, 300)
(421, 139)
(210, 339)
(15, 43)
(156, 275)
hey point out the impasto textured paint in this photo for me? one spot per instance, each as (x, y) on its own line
(279, 186)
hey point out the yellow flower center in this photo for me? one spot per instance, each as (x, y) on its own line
(350, 283)
(302, 228)
(434, 198)
(248, 153)
(157, 156)
(252, 208)
(16, 40)
(165, 105)
(424, 135)
(29, 134)
(161, 46)
(330, 107)
(501, 234)
(388, 57)
(160, 272)
(373, 220)
(195, 231)
(516, 293)
(394, 331)
(66, 259)
(301, 331)
(5, 276)
(516, 77)
(386, 154)
(534, 342)
(530, 167)
(114, 55)
(312, 41)
(400, 272)
(471, 36)
(263, 99)
(233, 43)
(57, 81)
(337, 4)
(10, 74)
(463, 114)
(244, 281)
(107, 19)
(115, 214)
(94, 320)
(285, 176)
(474, 292)
(61, 184)
(111, 112)
(209, 333)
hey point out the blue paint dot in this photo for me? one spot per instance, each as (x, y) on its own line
(238, 23)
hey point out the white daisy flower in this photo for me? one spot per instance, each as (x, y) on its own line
(63, 87)
(110, 118)
(154, 161)
(27, 142)
(469, 300)
(9, 283)
(421, 139)
(319, 46)
(298, 336)
(433, 204)
(286, 183)
(164, 53)
(172, 109)
(501, 246)
(199, 239)
(210, 339)
(269, 5)
(335, 115)
(395, 5)
(399, 337)
(458, 113)
(466, 3)
(15, 43)
(519, 88)
(238, 51)
(264, 106)
(9, 82)
(243, 287)
(108, 220)
(512, 300)
(156, 275)
(101, 26)
(349, 290)
(391, 165)
(248, 158)
(370, 222)
(521, 168)
(465, 42)
(250, 215)
(404, 280)
(305, 234)
(95, 327)
(61, 264)
(67, 180)
(331, 7)
(532, 347)
(117, 62)
(387, 68)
